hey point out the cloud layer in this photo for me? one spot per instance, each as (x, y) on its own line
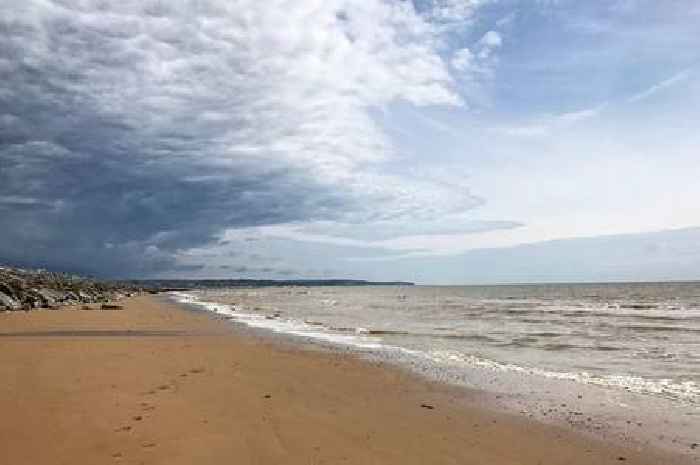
(133, 130)
(139, 137)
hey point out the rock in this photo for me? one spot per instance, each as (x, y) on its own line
(48, 297)
(111, 307)
(8, 290)
(8, 303)
(28, 289)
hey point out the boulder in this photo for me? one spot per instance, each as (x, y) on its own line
(8, 303)
(9, 290)
(20, 288)
(49, 298)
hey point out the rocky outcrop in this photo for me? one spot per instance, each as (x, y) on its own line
(28, 289)
(8, 302)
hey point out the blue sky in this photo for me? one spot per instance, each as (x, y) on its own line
(441, 141)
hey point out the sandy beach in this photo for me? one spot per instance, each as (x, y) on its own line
(157, 384)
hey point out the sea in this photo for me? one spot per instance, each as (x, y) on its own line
(638, 337)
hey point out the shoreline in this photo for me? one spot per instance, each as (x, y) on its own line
(598, 411)
(197, 393)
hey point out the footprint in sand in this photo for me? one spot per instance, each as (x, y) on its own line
(197, 370)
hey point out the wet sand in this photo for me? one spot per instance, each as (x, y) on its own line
(156, 384)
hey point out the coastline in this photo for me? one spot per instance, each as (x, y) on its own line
(154, 383)
(602, 411)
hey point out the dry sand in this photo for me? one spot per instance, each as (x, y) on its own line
(156, 384)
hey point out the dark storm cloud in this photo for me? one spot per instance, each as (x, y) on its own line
(133, 131)
(113, 210)
(89, 182)
(260, 271)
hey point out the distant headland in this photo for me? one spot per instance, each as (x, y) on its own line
(25, 289)
(186, 284)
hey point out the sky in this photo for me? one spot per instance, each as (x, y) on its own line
(436, 141)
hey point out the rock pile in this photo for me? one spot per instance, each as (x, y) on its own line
(27, 289)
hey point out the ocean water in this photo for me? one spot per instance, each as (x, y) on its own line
(643, 337)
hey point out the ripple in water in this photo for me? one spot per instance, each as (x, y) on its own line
(638, 337)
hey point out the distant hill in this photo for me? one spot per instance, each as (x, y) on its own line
(178, 284)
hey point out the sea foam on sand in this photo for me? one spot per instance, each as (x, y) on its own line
(601, 405)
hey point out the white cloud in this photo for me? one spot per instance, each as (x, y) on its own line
(462, 60)
(491, 39)
(452, 14)
(507, 20)
(475, 65)
(580, 115)
(488, 43)
(546, 125)
(205, 115)
(673, 80)
(252, 80)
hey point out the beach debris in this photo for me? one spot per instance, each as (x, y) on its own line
(267, 396)
(137, 418)
(694, 445)
(427, 406)
(111, 307)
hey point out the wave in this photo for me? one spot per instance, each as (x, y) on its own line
(362, 338)
(686, 391)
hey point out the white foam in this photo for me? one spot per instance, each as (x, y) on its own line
(688, 392)
(283, 325)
